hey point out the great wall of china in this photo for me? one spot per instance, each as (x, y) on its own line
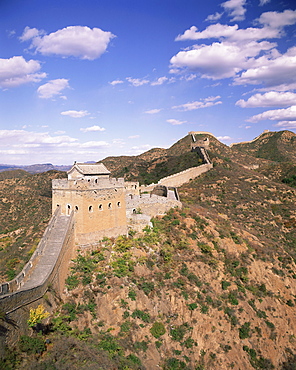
(78, 203)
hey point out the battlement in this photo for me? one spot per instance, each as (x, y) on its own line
(87, 183)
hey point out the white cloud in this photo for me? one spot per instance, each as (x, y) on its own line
(10, 33)
(271, 71)
(204, 103)
(213, 31)
(136, 150)
(235, 8)
(29, 137)
(286, 125)
(190, 77)
(214, 17)
(92, 128)
(21, 146)
(288, 114)
(230, 33)
(78, 41)
(269, 99)
(137, 81)
(115, 82)
(159, 81)
(141, 147)
(94, 144)
(75, 113)
(224, 138)
(30, 33)
(17, 71)
(134, 137)
(243, 54)
(278, 20)
(175, 121)
(263, 2)
(219, 60)
(118, 142)
(53, 88)
(271, 26)
(152, 111)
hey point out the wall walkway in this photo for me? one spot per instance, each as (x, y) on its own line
(180, 178)
(48, 267)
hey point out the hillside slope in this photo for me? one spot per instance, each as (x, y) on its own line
(211, 286)
(276, 146)
(25, 209)
(154, 164)
(157, 163)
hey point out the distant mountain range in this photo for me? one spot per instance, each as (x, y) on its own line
(34, 168)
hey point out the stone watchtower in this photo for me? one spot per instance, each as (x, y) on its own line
(98, 202)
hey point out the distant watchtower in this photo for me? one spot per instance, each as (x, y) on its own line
(98, 202)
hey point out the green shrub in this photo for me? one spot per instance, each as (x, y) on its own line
(141, 346)
(158, 343)
(125, 327)
(189, 343)
(225, 284)
(194, 279)
(110, 344)
(174, 364)
(204, 309)
(231, 314)
(31, 345)
(244, 330)
(125, 314)
(290, 303)
(141, 315)
(123, 266)
(123, 244)
(259, 363)
(157, 329)
(147, 287)
(70, 309)
(232, 296)
(133, 358)
(132, 295)
(270, 324)
(192, 306)
(205, 248)
(72, 282)
(177, 333)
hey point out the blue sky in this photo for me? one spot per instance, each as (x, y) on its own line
(81, 80)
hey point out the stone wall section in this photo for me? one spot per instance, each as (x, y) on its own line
(182, 177)
(150, 205)
(50, 271)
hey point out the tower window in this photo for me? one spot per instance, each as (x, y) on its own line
(109, 205)
(101, 207)
(118, 204)
(90, 208)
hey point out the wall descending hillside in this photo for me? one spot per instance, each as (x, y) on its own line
(49, 266)
(182, 177)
